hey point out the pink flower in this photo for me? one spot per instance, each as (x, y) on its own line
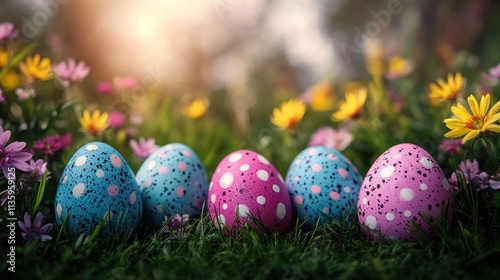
(2, 97)
(116, 119)
(23, 94)
(71, 71)
(50, 145)
(331, 138)
(127, 82)
(104, 88)
(131, 132)
(12, 157)
(451, 146)
(144, 148)
(7, 31)
(493, 75)
(38, 168)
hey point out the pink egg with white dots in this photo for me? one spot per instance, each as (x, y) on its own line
(403, 187)
(245, 184)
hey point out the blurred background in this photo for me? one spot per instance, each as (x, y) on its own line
(249, 55)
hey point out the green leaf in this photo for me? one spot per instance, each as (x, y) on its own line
(17, 58)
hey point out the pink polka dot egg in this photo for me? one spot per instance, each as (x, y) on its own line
(247, 188)
(97, 185)
(172, 181)
(404, 185)
(323, 186)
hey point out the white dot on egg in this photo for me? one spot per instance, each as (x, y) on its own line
(159, 209)
(242, 210)
(262, 175)
(80, 160)
(276, 188)
(313, 151)
(224, 206)
(347, 190)
(426, 162)
(262, 159)
(297, 161)
(365, 200)
(91, 147)
(221, 220)
(65, 179)
(387, 171)
(396, 156)
(211, 185)
(78, 190)
(406, 194)
(59, 210)
(407, 213)
(99, 173)
(235, 157)
(244, 167)
(213, 197)
(423, 187)
(226, 180)
(371, 222)
(151, 165)
(325, 210)
(280, 210)
(389, 216)
(261, 200)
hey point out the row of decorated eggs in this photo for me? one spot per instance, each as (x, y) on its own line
(404, 187)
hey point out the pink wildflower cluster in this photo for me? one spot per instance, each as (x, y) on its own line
(334, 139)
(50, 145)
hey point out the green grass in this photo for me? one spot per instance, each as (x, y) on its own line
(334, 251)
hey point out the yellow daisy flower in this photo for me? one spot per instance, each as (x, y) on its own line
(94, 124)
(4, 57)
(398, 67)
(352, 106)
(197, 108)
(446, 90)
(289, 115)
(482, 119)
(10, 80)
(321, 96)
(35, 67)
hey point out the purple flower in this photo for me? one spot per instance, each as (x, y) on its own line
(116, 119)
(144, 148)
(70, 71)
(451, 146)
(331, 138)
(493, 75)
(30, 231)
(12, 156)
(177, 225)
(7, 31)
(38, 168)
(50, 145)
(2, 97)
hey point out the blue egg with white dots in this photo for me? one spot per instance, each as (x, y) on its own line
(323, 185)
(96, 187)
(172, 181)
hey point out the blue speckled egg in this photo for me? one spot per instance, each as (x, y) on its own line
(172, 181)
(98, 185)
(323, 184)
